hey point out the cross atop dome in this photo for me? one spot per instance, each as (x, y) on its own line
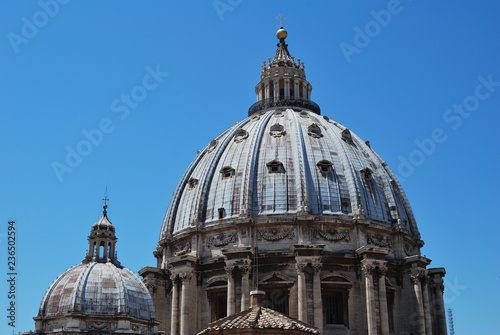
(281, 18)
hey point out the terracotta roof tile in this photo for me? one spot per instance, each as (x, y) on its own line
(258, 317)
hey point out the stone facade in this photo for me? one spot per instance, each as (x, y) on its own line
(293, 203)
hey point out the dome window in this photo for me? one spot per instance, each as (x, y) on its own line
(346, 136)
(227, 172)
(275, 167)
(222, 213)
(314, 131)
(212, 145)
(278, 114)
(277, 130)
(192, 182)
(325, 166)
(366, 172)
(240, 136)
(304, 115)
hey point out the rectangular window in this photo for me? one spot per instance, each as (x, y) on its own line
(218, 307)
(277, 299)
(333, 307)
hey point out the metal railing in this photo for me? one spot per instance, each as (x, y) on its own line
(284, 102)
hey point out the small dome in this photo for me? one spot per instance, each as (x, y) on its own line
(98, 289)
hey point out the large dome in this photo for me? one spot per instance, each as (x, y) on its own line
(98, 289)
(292, 203)
(287, 161)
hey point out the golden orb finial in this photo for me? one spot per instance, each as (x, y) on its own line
(281, 33)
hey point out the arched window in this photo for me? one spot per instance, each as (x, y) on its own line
(277, 130)
(101, 251)
(325, 167)
(212, 145)
(275, 167)
(192, 182)
(346, 136)
(227, 172)
(314, 131)
(240, 136)
(222, 213)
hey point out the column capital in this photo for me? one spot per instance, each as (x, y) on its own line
(367, 269)
(417, 275)
(301, 267)
(186, 276)
(317, 267)
(173, 277)
(382, 270)
(245, 269)
(229, 270)
(438, 285)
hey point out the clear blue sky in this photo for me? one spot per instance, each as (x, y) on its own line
(68, 72)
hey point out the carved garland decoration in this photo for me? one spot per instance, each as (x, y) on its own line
(97, 325)
(331, 235)
(380, 240)
(221, 240)
(274, 235)
(182, 249)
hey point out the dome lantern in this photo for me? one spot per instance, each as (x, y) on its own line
(102, 241)
(283, 81)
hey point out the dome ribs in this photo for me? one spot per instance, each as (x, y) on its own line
(258, 177)
(298, 150)
(357, 183)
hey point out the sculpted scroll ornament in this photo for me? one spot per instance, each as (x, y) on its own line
(151, 285)
(273, 235)
(222, 240)
(331, 235)
(408, 250)
(380, 240)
